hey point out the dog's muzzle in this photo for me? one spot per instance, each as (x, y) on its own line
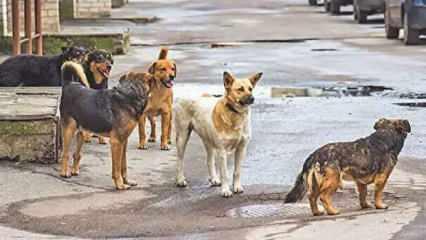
(169, 83)
(247, 100)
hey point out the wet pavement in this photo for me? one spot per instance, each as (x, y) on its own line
(296, 46)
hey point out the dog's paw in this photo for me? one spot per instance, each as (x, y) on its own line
(319, 213)
(130, 182)
(333, 212)
(382, 206)
(366, 206)
(122, 187)
(75, 172)
(151, 139)
(238, 189)
(165, 147)
(143, 147)
(65, 175)
(181, 183)
(215, 182)
(226, 193)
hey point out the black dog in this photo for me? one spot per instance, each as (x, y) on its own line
(31, 70)
(112, 113)
(97, 67)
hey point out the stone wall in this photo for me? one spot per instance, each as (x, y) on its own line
(49, 13)
(92, 8)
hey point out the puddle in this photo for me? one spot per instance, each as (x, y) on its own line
(333, 91)
(269, 210)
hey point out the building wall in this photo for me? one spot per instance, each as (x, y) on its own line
(3, 17)
(49, 13)
(92, 8)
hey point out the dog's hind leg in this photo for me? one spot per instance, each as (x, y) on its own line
(329, 185)
(152, 123)
(182, 136)
(142, 133)
(240, 154)
(211, 164)
(69, 126)
(124, 167)
(313, 194)
(77, 154)
(226, 191)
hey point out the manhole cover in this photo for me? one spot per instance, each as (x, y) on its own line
(269, 210)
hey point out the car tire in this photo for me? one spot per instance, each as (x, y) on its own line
(411, 36)
(361, 16)
(391, 32)
(334, 8)
(327, 6)
(313, 2)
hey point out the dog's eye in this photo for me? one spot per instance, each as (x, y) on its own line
(162, 69)
(250, 89)
(241, 89)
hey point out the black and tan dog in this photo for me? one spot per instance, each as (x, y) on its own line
(160, 101)
(97, 67)
(366, 161)
(31, 70)
(112, 113)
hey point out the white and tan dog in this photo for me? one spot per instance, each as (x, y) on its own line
(224, 127)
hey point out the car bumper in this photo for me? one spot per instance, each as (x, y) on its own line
(373, 6)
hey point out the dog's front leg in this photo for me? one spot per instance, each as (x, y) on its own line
(77, 154)
(211, 164)
(226, 191)
(142, 133)
(153, 135)
(117, 154)
(240, 154)
(379, 183)
(69, 126)
(165, 128)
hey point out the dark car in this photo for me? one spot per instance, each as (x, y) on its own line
(407, 14)
(333, 6)
(364, 8)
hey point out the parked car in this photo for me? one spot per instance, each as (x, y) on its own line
(364, 8)
(407, 14)
(333, 6)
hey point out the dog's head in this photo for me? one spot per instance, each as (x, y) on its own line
(100, 63)
(74, 53)
(164, 70)
(141, 77)
(400, 125)
(240, 91)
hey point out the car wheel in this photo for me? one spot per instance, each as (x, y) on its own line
(313, 2)
(327, 6)
(334, 8)
(361, 16)
(411, 36)
(391, 32)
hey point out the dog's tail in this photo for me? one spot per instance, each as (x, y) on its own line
(163, 53)
(73, 72)
(301, 185)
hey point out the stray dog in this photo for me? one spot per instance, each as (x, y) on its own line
(223, 125)
(160, 101)
(365, 161)
(97, 67)
(31, 70)
(111, 113)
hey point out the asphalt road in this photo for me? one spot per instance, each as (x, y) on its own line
(295, 46)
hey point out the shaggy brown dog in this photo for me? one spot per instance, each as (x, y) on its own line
(110, 113)
(160, 101)
(365, 161)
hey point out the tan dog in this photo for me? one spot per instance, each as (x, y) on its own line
(224, 126)
(368, 160)
(160, 101)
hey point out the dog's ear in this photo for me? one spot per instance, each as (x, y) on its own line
(403, 126)
(174, 65)
(151, 68)
(380, 123)
(123, 78)
(163, 53)
(255, 78)
(228, 80)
